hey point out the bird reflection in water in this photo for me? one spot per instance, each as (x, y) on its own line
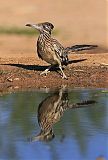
(50, 111)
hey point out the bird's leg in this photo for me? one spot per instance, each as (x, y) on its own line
(46, 71)
(63, 74)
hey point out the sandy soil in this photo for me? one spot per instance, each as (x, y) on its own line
(78, 21)
(20, 67)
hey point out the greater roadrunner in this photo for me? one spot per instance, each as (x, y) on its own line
(51, 51)
(50, 111)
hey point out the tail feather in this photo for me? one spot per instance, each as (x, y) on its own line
(80, 47)
(82, 104)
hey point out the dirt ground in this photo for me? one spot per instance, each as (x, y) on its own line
(20, 67)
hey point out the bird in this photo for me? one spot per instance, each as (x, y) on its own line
(51, 51)
(50, 111)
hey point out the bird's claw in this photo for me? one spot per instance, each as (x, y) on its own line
(44, 72)
(64, 77)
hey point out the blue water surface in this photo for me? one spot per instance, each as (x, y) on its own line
(80, 133)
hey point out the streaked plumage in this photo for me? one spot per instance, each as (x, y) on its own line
(51, 109)
(51, 51)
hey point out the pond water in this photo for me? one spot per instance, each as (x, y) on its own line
(54, 125)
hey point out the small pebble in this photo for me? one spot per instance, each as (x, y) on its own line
(17, 79)
(10, 79)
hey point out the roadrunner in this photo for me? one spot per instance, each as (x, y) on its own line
(51, 51)
(51, 109)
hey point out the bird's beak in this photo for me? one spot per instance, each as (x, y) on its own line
(36, 26)
(28, 25)
(36, 138)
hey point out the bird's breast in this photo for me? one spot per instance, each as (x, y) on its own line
(46, 52)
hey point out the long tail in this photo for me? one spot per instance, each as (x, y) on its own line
(80, 48)
(82, 104)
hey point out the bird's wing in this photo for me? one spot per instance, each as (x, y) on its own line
(61, 52)
(58, 48)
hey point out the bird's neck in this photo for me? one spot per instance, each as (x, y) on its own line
(44, 36)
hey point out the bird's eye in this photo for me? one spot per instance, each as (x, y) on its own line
(46, 27)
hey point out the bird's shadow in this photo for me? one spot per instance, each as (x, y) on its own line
(38, 67)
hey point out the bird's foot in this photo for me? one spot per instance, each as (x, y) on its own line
(45, 72)
(64, 76)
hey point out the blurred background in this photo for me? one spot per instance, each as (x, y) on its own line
(76, 21)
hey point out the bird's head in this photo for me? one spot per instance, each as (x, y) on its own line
(45, 27)
(43, 136)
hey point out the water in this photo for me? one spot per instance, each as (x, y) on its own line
(44, 125)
